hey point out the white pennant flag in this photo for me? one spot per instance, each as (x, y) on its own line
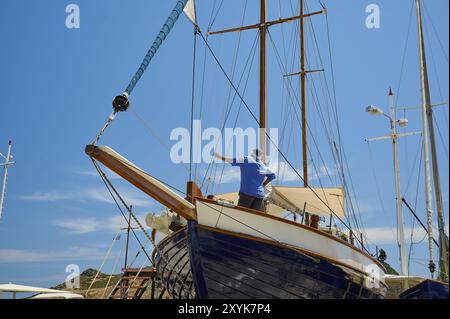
(189, 11)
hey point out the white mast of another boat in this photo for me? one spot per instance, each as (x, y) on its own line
(8, 161)
(394, 136)
(426, 114)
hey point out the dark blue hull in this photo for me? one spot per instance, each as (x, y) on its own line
(427, 289)
(221, 265)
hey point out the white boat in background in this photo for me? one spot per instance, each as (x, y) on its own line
(58, 295)
(43, 293)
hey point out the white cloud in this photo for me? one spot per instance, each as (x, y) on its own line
(78, 225)
(130, 196)
(230, 175)
(388, 235)
(286, 173)
(29, 256)
(101, 195)
(48, 196)
(91, 224)
(107, 171)
(283, 170)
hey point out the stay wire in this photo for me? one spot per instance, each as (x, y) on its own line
(103, 177)
(110, 187)
(405, 48)
(309, 129)
(269, 138)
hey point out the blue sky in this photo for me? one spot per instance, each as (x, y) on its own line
(58, 84)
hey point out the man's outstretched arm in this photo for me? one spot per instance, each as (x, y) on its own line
(269, 177)
(223, 158)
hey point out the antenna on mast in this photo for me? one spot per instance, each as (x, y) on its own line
(8, 161)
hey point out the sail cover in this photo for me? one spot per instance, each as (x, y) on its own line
(189, 11)
(319, 201)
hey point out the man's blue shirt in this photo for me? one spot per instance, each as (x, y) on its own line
(253, 174)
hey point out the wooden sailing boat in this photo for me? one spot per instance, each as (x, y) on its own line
(219, 250)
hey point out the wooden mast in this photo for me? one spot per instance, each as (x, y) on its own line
(263, 27)
(303, 93)
(263, 81)
(314, 219)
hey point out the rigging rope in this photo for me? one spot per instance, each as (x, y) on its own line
(268, 136)
(162, 35)
(342, 150)
(229, 105)
(165, 30)
(112, 273)
(210, 25)
(404, 52)
(445, 146)
(435, 32)
(103, 262)
(338, 159)
(249, 61)
(135, 277)
(129, 266)
(309, 129)
(415, 203)
(158, 138)
(112, 189)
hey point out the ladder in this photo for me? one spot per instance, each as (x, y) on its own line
(133, 283)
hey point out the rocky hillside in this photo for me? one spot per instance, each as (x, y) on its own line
(98, 290)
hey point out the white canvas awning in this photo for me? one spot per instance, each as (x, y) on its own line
(320, 201)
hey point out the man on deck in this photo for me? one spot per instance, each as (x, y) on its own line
(255, 176)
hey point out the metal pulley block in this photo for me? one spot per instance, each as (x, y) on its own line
(121, 103)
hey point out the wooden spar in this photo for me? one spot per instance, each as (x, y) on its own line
(141, 180)
(267, 24)
(263, 81)
(263, 26)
